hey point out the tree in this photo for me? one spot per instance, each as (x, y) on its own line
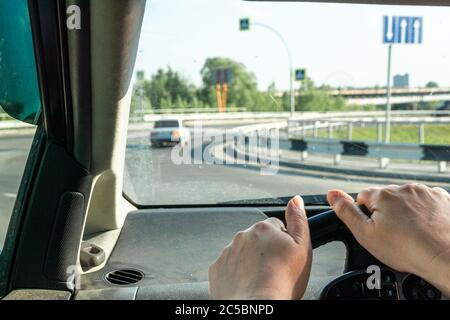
(431, 84)
(271, 102)
(312, 98)
(242, 91)
(167, 89)
(140, 103)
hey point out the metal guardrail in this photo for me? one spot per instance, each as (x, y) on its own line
(440, 153)
(255, 128)
(299, 127)
(257, 116)
(382, 151)
(298, 117)
(301, 131)
(139, 113)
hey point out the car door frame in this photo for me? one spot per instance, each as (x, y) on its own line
(46, 227)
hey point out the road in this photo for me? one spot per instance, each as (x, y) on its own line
(13, 155)
(152, 178)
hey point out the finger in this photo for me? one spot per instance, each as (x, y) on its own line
(296, 220)
(418, 184)
(367, 197)
(277, 223)
(441, 190)
(419, 187)
(347, 210)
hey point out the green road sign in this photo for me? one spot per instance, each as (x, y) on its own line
(300, 74)
(140, 75)
(244, 24)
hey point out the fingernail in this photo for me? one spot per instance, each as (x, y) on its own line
(297, 201)
(332, 196)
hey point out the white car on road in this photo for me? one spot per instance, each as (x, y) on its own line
(169, 132)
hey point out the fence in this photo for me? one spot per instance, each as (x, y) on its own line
(299, 127)
(382, 151)
(313, 127)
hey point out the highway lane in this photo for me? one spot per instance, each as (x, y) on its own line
(154, 179)
(13, 155)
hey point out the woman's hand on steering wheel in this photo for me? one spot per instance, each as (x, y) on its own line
(267, 261)
(409, 229)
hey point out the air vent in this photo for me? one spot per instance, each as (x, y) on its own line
(124, 277)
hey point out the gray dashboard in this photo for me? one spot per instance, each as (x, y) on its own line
(172, 248)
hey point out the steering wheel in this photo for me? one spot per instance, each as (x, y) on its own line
(365, 277)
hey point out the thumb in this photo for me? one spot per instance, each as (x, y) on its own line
(296, 220)
(347, 210)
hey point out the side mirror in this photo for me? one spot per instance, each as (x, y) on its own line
(19, 89)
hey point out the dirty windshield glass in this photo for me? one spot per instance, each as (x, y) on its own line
(279, 99)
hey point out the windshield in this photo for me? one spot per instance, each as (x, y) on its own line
(286, 98)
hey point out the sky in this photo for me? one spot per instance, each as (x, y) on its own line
(338, 44)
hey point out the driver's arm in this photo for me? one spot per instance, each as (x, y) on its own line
(266, 261)
(409, 229)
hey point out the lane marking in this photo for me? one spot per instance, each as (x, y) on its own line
(10, 195)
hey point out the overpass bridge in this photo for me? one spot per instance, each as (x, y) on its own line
(398, 95)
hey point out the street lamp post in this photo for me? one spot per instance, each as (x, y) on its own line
(291, 68)
(387, 135)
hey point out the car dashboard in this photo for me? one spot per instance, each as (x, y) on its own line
(165, 254)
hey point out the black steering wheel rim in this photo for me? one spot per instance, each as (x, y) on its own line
(326, 227)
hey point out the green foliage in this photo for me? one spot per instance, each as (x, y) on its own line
(140, 103)
(167, 89)
(242, 91)
(434, 133)
(312, 98)
(431, 84)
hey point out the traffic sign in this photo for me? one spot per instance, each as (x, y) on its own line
(398, 30)
(300, 74)
(402, 29)
(222, 76)
(244, 24)
(140, 75)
